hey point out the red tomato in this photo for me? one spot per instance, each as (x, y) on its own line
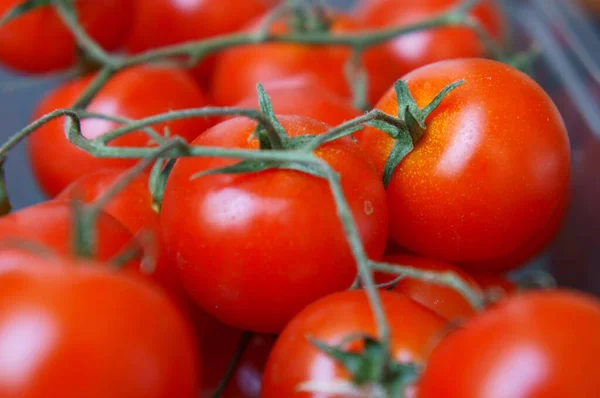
(239, 70)
(118, 336)
(294, 360)
(38, 41)
(51, 225)
(302, 96)
(393, 59)
(444, 301)
(247, 245)
(534, 345)
(159, 23)
(133, 207)
(132, 94)
(487, 185)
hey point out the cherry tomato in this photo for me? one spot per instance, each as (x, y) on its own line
(302, 96)
(444, 301)
(487, 185)
(119, 337)
(133, 94)
(238, 70)
(533, 345)
(393, 59)
(247, 245)
(294, 360)
(38, 41)
(159, 23)
(51, 225)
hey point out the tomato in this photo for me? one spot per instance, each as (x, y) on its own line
(302, 96)
(118, 336)
(38, 41)
(444, 301)
(159, 23)
(397, 57)
(520, 348)
(51, 225)
(247, 246)
(133, 207)
(495, 283)
(332, 320)
(487, 185)
(132, 94)
(238, 70)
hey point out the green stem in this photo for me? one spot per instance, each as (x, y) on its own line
(94, 87)
(153, 134)
(5, 205)
(237, 356)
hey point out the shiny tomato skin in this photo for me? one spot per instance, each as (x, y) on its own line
(294, 360)
(120, 337)
(132, 94)
(38, 41)
(391, 60)
(444, 301)
(534, 345)
(51, 225)
(242, 240)
(487, 185)
(303, 96)
(133, 207)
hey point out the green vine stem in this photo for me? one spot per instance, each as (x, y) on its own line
(233, 363)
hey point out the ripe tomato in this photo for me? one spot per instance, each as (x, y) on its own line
(520, 348)
(38, 41)
(444, 301)
(407, 52)
(117, 335)
(133, 207)
(486, 186)
(132, 94)
(302, 96)
(159, 23)
(294, 360)
(239, 70)
(245, 244)
(51, 225)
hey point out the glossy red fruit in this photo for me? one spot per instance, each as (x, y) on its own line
(38, 41)
(487, 185)
(397, 57)
(70, 329)
(133, 94)
(302, 96)
(520, 348)
(247, 245)
(294, 360)
(444, 301)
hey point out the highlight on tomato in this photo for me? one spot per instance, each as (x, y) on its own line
(134, 93)
(487, 183)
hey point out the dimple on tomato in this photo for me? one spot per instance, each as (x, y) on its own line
(533, 345)
(254, 248)
(133, 93)
(38, 41)
(487, 185)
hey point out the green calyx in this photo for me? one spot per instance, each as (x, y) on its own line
(372, 366)
(407, 136)
(158, 180)
(308, 18)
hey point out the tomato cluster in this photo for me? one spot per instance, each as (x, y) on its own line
(201, 272)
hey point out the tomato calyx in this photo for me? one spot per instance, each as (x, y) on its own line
(414, 117)
(308, 18)
(371, 368)
(23, 8)
(158, 180)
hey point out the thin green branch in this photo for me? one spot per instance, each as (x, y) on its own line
(233, 363)
(94, 87)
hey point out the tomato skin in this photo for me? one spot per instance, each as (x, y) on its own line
(130, 94)
(414, 331)
(391, 60)
(72, 318)
(302, 96)
(488, 157)
(39, 42)
(242, 240)
(520, 348)
(50, 224)
(444, 301)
